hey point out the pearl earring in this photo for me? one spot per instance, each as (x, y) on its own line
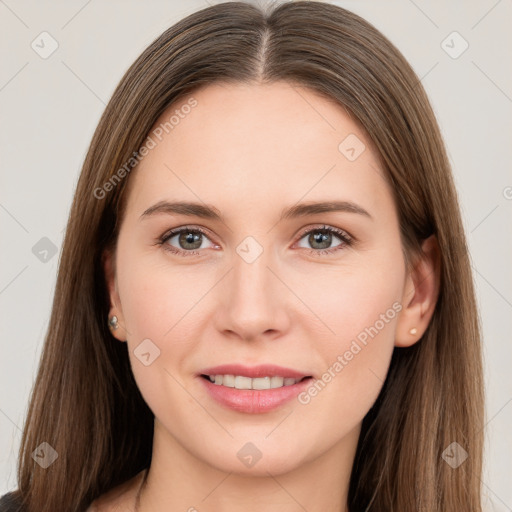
(113, 323)
(413, 330)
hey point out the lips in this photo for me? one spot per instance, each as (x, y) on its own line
(256, 389)
(253, 401)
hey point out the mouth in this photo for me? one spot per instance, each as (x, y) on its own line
(253, 390)
(256, 383)
(253, 395)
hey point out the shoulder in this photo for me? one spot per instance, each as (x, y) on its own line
(120, 498)
(11, 502)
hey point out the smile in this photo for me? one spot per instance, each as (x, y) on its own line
(258, 383)
(254, 395)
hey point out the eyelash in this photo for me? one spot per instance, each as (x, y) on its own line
(347, 240)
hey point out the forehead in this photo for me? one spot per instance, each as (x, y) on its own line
(254, 143)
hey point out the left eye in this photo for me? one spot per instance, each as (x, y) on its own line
(190, 240)
(323, 237)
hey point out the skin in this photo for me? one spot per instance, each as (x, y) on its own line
(251, 151)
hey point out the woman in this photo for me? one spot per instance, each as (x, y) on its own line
(266, 217)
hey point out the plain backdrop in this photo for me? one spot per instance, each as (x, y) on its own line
(49, 108)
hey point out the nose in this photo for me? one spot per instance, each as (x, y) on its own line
(252, 302)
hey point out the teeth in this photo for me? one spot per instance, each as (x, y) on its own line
(241, 382)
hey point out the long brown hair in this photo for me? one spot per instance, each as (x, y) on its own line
(85, 402)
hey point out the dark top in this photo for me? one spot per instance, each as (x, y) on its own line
(8, 503)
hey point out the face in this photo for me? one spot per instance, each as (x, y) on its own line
(317, 293)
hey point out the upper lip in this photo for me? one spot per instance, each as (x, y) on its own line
(262, 370)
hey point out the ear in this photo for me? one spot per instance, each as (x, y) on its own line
(420, 294)
(108, 261)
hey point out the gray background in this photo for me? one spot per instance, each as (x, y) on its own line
(50, 107)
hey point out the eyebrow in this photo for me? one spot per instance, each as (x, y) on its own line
(206, 211)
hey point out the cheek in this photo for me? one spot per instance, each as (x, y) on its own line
(154, 304)
(360, 306)
(158, 310)
(350, 299)
(157, 298)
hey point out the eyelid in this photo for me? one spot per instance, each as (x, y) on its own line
(327, 227)
(179, 229)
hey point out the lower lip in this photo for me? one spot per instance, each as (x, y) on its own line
(254, 401)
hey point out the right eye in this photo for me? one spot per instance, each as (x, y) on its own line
(189, 241)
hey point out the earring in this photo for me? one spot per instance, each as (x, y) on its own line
(113, 323)
(413, 330)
